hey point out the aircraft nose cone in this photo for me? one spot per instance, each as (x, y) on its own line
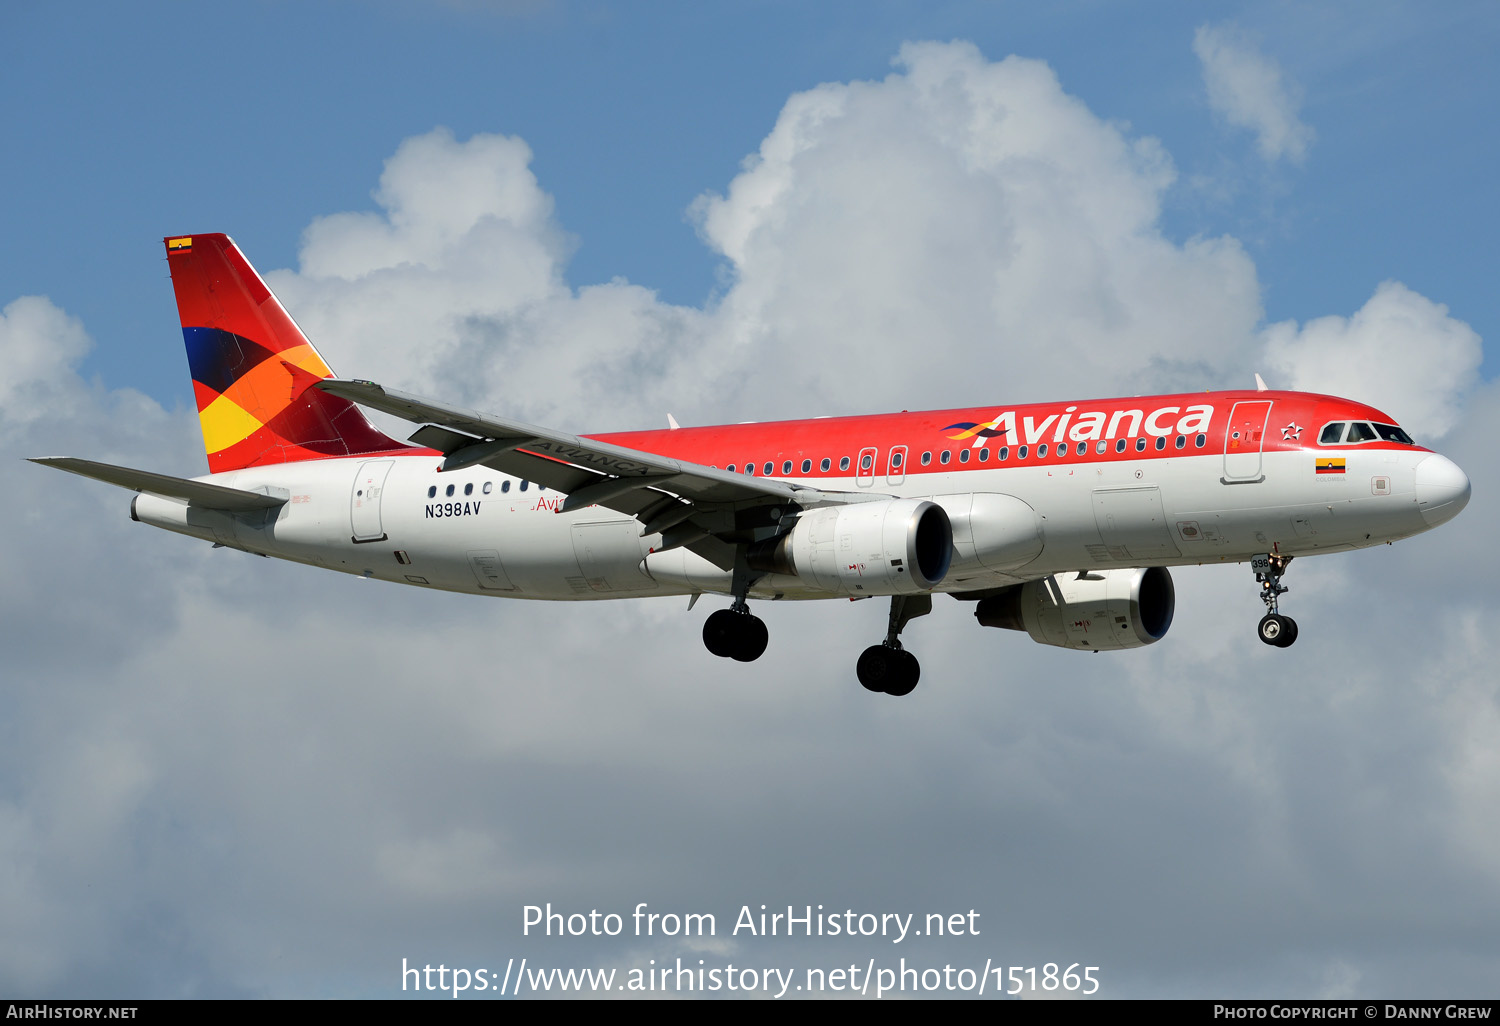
(1442, 489)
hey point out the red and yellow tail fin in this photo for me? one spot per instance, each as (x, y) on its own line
(253, 369)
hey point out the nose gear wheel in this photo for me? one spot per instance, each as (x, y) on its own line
(1274, 628)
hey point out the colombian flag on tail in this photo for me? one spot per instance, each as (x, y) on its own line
(253, 369)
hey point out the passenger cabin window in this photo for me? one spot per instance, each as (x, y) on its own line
(750, 469)
(1359, 431)
(1200, 441)
(844, 463)
(786, 467)
(895, 460)
(1102, 447)
(1391, 433)
(1181, 441)
(1041, 450)
(944, 456)
(926, 458)
(448, 490)
(524, 485)
(432, 492)
(488, 486)
(963, 455)
(984, 455)
(769, 469)
(1120, 445)
(732, 468)
(469, 488)
(504, 486)
(866, 461)
(1161, 443)
(1140, 445)
(1332, 434)
(807, 466)
(1021, 453)
(827, 464)
(1004, 453)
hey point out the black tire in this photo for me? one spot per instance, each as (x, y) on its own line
(874, 668)
(721, 632)
(908, 672)
(752, 640)
(1288, 633)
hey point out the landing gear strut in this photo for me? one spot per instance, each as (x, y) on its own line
(888, 668)
(1274, 629)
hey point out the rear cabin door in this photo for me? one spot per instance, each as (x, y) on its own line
(364, 500)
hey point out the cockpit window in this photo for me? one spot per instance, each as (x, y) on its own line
(1391, 433)
(1332, 434)
(1359, 431)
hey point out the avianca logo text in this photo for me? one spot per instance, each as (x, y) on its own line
(1167, 420)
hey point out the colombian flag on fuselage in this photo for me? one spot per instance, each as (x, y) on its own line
(1329, 465)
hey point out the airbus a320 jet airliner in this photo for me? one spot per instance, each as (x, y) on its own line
(1056, 519)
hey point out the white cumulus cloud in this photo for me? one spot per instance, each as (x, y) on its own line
(1249, 90)
(1400, 352)
(229, 775)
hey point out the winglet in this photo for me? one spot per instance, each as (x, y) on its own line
(1260, 384)
(672, 422)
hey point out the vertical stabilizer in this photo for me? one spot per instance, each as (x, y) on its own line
(253, 369)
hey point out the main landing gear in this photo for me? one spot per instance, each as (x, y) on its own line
(888, 668)
(1274, 629)
(736, 633)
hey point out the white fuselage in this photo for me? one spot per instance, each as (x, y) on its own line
(495, 535)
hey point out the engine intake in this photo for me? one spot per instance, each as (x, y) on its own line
(893, 547)
(1097, 611)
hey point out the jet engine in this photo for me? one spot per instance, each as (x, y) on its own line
(1093, 611)
(894, 547)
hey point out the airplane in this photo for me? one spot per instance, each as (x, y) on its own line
(1058, 520)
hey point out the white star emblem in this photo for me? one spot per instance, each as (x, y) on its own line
(1291, 432)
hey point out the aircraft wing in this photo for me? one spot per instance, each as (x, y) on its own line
(703, 508)
(194, 493)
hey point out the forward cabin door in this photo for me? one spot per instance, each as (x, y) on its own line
(364, 500)
(1243, 439)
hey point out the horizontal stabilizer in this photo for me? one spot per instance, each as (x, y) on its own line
(194, 493)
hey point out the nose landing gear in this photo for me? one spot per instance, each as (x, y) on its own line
(1274, 628)
(888, 668)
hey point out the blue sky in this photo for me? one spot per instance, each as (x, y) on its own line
(129, 123)
(226, 776)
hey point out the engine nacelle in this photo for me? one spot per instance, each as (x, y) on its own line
(1099, 611)
(991, 531)
(894, 547)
